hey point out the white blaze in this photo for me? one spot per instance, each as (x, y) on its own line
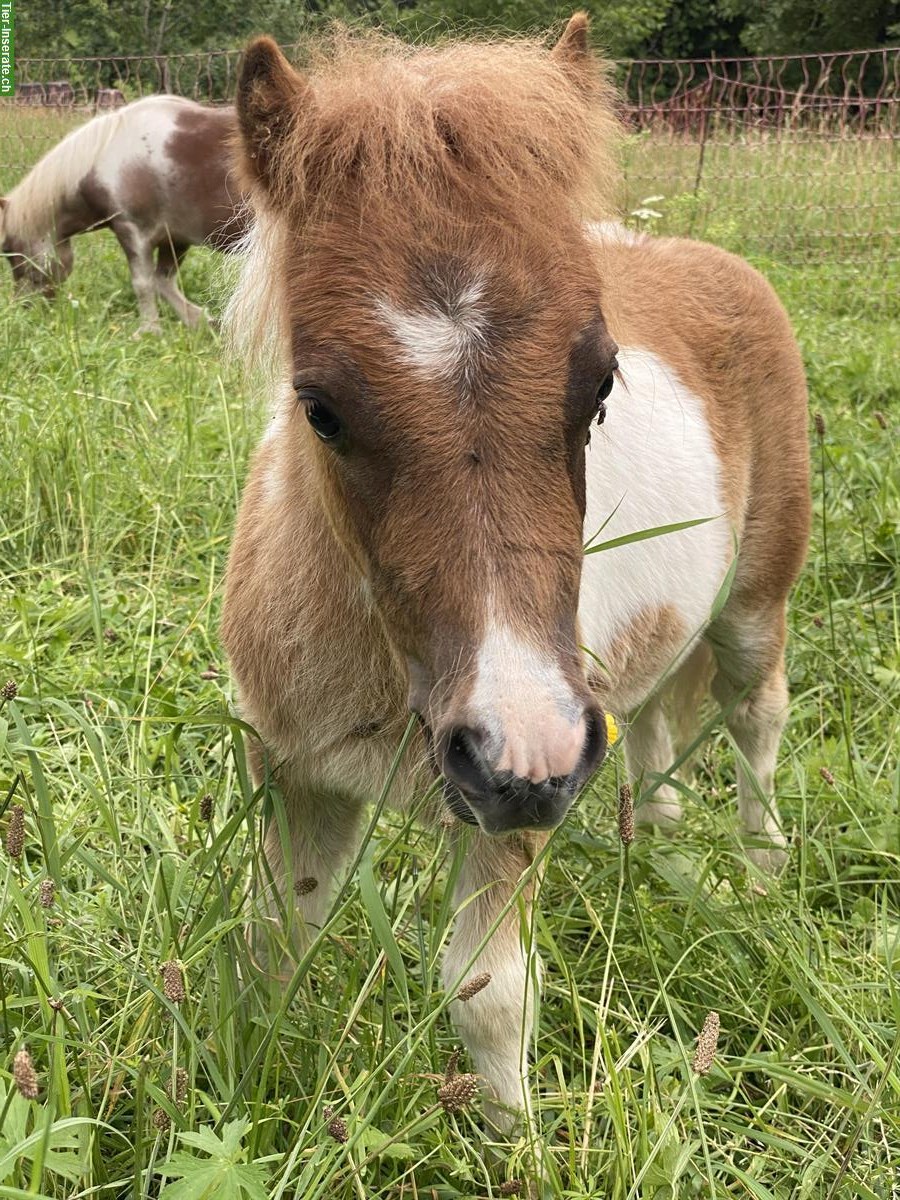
(441, 342)
(523, 700)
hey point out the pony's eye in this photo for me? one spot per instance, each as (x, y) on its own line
(325, 423)
(603, 392)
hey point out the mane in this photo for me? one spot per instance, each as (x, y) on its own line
(33, 203)
(499, 122)
(496, 133)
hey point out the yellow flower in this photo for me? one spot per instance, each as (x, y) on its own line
(612, 729)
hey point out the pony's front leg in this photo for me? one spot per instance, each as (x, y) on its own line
(139, 252)
(495, 1024)
(304, 858)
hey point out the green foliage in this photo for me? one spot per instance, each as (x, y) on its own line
(811, 27)
(218, 1170)
(56, 1146)
(641, 28)
(618, 27)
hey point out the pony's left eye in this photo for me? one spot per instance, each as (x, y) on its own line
(603, 392)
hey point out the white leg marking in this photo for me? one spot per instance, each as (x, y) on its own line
(139, 253)
(648, 751)
(496, 1024)
(756, 723)
(300, 877)
(169, 291)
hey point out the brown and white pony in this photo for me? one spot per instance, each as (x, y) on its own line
(156, 172)
(471, 382)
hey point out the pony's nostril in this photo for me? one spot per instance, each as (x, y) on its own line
(463, 759)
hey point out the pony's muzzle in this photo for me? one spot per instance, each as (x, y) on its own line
(500, 801)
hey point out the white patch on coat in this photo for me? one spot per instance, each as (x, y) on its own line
(653, 462)
(614, 231)
(140, 142)
(107, 145)
(441, 342)
(524, 702)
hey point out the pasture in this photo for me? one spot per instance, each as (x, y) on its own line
(121, 463)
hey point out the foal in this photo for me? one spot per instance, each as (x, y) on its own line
(471, 383)
(156, 172)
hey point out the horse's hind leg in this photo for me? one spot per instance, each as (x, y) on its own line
(648, 752)
(168, 259)
(139, 252)
(751, 687)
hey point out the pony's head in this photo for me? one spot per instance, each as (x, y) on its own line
(420, 249)
(39, 263)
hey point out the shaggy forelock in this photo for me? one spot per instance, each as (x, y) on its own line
(502, 125)
(419, 141)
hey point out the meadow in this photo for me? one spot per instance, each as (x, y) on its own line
(121, 465)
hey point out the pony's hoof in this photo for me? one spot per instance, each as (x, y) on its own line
(769, 860)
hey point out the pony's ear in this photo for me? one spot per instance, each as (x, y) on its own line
(269, 93)
(574, 48)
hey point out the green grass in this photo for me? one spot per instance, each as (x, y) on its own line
(121, 464)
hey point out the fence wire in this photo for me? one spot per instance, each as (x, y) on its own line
(789, 158)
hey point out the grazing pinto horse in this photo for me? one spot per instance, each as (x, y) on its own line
(156, 172)
(449, 333)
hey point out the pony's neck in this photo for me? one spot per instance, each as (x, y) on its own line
(36, 205)
(32, 213)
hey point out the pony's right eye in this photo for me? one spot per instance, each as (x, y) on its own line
(326, 424)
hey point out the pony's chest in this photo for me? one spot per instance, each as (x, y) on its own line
(652, 464)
